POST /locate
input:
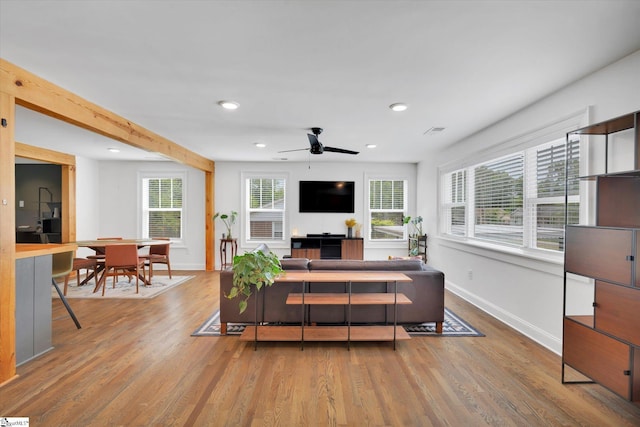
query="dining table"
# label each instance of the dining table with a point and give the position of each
(98, 246)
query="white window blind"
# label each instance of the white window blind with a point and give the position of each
(547, 167)
(266, 208)
(516, 200)
(387, 208)
(454, 206)
(162, 207)
(498, 199)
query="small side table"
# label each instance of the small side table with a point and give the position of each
(223, 252)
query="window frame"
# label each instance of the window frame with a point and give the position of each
(460, 201)
(245, 214)
(142, 211)
(553, 133)
(404, 210)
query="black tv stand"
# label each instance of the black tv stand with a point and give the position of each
(326, 236)
(326, 246)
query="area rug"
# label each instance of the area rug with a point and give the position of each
(453, 326)
(124, 288)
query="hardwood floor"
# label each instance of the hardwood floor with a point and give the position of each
(134, 363)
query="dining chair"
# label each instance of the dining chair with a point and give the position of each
(158, 254)
(100, 251)
(120, 257)
(99, 255)
(82, 264)
(62, 265)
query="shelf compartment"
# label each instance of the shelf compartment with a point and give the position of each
(621, 174)
(325, 333)
(584, 320)
(600, 253)
(617, 311)
(610, 126)
(618, 201)
(601, 358)
(341, 298)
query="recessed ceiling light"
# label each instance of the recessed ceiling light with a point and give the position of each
(371, 145)
(113, 150)
(229, 105)
(398, 106)
(260, 144)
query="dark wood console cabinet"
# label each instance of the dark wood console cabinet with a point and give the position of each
(601, 339)
(323, 246)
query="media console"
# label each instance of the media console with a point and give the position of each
(327, 246)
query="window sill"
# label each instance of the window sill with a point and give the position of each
(538, 260)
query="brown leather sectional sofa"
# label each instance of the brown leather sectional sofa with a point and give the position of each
(426, 292)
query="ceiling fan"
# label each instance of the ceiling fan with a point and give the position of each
(317, 147)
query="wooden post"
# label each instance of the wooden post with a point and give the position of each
(7, 239)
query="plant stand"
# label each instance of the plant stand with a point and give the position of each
(233, 243)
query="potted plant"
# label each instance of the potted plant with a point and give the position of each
(253, 269)
(228, 220)
(416, 225)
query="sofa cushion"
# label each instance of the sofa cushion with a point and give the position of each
(294, 263)
(394, 265)
(335, 264)
(350, 265)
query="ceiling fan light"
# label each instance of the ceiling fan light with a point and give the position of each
(229, 105)
(398, 106)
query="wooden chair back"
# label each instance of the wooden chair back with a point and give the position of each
(160, 249)
(121, 256)
(100, 251)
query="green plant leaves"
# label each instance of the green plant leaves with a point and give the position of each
(253, 269)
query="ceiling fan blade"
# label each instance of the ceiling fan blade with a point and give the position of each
(339, 150)
(298, 149)
(313, 140)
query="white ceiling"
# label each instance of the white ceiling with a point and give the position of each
(292, 65)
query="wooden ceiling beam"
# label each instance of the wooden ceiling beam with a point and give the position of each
(44, 155)
(35, 93)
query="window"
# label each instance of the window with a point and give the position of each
(162, 207)
(266, 202)
(498, 194)
(387, 208)
(516, 200)
(546, 194)
(455, 202)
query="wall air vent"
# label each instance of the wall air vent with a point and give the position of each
(433, 130)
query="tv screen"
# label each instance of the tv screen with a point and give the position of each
(327, 196)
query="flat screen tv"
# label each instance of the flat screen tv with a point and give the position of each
(327, 196)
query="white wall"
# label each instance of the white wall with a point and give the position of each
(114, 210)
(228, 197)
(108, 197)
(87, 216)
(523, 292)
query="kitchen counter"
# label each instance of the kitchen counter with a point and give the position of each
(26, 250)
(33, 298)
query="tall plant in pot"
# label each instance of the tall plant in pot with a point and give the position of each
(228, 220)
(253, 269)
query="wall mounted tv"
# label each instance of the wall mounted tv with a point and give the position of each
(327, 196)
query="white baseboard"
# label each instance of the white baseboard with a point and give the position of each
(531, 331)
